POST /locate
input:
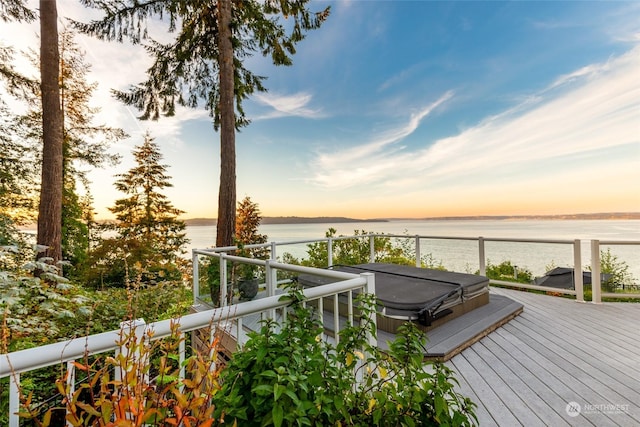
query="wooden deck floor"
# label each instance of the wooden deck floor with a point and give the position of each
(559, 363)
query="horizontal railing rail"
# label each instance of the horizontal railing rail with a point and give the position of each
(575, 245)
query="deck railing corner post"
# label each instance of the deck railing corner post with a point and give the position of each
(196, 276)
(372, 248)
(223, 280)
(370, 288)
(271, 282)
(578, 283)
(596, 269)
(482, 257)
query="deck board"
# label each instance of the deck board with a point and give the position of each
(557, 351)
(449, 339)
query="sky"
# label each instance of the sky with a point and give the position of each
(407, 109)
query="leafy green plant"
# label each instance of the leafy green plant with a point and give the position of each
(353, 251)
(508, 272)
(40, 310)
(287, 375)
(620, 278)
(35, 309)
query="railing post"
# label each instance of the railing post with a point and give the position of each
(370, 288)
(482, 257)
(71, 384)
(14, 400)
(372, 248)
(418, 254)
(578, 284)
(330, 252)
(223, 280)
(182, 355)
(596, 286)
(271, 282)
(196, 276)
(270, 278)
(274, 255)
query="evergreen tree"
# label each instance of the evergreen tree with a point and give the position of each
(17, 169)
(17, 160)
(248, 219)
(150, 237)
(204, 63)
(15, 10)
(17, 180)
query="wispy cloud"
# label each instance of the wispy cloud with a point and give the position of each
(288, 105)
(552, 24)
(400, 77)
(584, 72)
(599, 110)
(364, 163)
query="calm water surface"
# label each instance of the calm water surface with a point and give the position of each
(461, 255)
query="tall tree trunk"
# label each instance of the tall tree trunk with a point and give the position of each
(227, 193)
(50, 209)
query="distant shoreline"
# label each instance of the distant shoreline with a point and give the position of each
(327, 220)
(208, 222)
(287, 220)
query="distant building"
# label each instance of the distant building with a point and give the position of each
(562, 278)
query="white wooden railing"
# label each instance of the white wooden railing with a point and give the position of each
(575, 245)
(14, 364)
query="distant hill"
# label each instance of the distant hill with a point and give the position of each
(200, 221)
(288, 220)
(584, 216)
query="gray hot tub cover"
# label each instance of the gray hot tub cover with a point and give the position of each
(414, 293)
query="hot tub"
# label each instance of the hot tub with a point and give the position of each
(430, 297)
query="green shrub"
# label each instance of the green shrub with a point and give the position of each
(287, 375)
(117, 261)
(508, 272)
(357, 250)
(41, 310)
(620, 276)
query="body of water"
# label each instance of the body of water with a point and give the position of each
(462, 255)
